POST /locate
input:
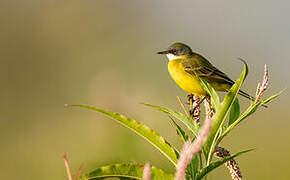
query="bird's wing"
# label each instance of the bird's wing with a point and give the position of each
(198, 65)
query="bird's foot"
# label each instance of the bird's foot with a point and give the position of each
(190, 98)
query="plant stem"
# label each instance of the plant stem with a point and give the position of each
(182, 106)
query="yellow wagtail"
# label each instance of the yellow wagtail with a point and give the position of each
(184, 65)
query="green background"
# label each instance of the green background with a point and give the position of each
(97, 52)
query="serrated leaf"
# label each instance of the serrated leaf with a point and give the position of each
(251, 109)
(142, 130)
(221, 113)
(132, 171)
(187, 121)
(235, 112)
(218, 163)
(180, 132)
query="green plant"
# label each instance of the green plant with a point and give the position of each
(205, 142)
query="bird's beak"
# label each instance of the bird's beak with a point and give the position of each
(163, 52)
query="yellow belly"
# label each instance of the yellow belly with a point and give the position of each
(186, 81)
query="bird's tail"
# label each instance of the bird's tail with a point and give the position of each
(246, 95)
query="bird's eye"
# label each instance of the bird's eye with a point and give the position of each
(174, 51)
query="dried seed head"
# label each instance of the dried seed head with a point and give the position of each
(258, 89)
(196, 113)
(263, 87)
(232, 165)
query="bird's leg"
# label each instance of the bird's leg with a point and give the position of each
(190, 100)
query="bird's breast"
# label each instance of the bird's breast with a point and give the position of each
(186, 81)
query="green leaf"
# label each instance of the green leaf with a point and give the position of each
(192, 168)
(214, 97)
(142, 130)
(183, 136)
(235, 112)
(268, 99)
(220, 115)
(131, 171)
(217, 163)
(189, 123)
(247, 113)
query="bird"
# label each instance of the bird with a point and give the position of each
(185, 65)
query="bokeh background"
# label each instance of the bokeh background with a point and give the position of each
(103, 53)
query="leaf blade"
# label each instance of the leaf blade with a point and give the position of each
(251, 109)
(180, 132)
(133, 171)
(218, 163)
(234, 112)
(142, 130)
(187, 121)
(221, 113)
(215, 100)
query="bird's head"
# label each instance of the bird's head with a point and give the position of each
(177, 50)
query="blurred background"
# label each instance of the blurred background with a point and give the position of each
(103, 53)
